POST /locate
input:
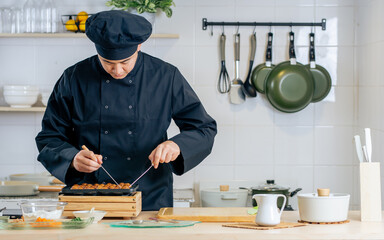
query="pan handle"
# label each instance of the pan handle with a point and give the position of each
(295, 192)
(57, 181)
(268, 55)
(292, 54)
(50, 188)
(312, 58)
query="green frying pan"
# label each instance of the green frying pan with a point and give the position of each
(260, 73)
(289, 86)
(321, 77)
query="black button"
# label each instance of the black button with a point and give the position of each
(105, 158)
(130, 106)
(106, 132)
(128, 158)
(106, 107)
(129, 132)
(107, 81)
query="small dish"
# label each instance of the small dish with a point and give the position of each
(4, 219)
(97, 215)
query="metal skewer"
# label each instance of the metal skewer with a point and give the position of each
(85, 148)
(141, 175)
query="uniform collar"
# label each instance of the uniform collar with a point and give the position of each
(139, 62)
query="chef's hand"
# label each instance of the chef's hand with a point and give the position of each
(87, 161)
(164, 153)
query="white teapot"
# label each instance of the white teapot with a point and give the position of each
(268, 214)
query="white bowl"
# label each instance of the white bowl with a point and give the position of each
(98, 215)
(20, 93)
(332, 208)
(45, 97)
(21, 87)
(20, 101)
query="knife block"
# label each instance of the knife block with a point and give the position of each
(370, 191)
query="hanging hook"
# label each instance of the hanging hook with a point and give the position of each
(291, 26)
(254, 29)
(238, 26)
(270, 27)
(223, 28)
(313, 27)
(211, 30)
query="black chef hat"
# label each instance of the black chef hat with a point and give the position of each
(117, 33)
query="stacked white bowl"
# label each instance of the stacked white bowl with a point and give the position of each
(20, 96)
(45, 97)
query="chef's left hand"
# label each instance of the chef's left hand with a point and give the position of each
(164, 153)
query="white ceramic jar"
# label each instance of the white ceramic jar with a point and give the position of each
(332, 208)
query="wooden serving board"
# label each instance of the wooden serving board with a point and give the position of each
(341, 222)
(115, 206)
(207, 214)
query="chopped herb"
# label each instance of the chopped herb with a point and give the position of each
(76, 219)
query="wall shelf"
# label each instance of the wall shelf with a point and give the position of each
(31, 109)
(72, 35)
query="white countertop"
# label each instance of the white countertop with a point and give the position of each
(353, 230)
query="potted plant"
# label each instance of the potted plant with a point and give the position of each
(143, 6)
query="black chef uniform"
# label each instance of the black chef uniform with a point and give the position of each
(123, 119)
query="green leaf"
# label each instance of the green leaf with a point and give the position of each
(143, 5)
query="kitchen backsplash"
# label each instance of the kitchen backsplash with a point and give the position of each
(310, 149)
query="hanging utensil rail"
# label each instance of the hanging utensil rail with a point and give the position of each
(321, 24)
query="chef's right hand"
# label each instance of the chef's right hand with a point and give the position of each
(87, 161)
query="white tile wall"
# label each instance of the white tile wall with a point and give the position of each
(370, 94)
(308, 149)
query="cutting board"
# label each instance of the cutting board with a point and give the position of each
(207, 214)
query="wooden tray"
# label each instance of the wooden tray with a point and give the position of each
(115, 206)
(207, 214)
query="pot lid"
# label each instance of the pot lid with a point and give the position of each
(316, 196)
(270, 186)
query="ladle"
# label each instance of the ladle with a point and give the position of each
(247, 87)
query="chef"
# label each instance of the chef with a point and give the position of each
(120, 103)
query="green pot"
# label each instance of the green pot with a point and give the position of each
(271, 188)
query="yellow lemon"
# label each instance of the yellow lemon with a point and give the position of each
(82, 25)
(70, 25)
(81, 16)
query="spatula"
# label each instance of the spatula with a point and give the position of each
(236, 94)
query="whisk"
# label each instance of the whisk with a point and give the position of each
(224, 84)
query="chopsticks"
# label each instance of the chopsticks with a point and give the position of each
(85, 148)
(163, 220)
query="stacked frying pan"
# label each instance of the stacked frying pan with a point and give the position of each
(289, 86)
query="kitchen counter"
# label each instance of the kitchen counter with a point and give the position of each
(353, 230)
